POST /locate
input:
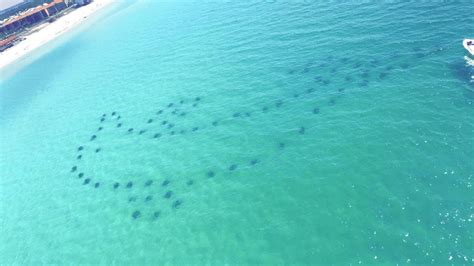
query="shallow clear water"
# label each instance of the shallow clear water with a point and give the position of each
(334, 133)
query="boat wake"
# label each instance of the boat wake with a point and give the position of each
(469, 68)
(469, 61)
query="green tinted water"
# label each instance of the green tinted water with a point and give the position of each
(326, 134)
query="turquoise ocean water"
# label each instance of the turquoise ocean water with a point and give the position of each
(244, 132)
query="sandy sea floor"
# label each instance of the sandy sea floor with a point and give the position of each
(188, 133)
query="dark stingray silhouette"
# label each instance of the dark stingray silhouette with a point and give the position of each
(170, 187)
(211, 174)
(168, 194)
(136, 214)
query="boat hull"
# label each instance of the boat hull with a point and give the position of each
(469, 48)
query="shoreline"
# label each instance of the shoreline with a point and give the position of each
(49, 32)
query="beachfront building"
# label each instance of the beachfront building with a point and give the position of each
(58, 6)
(30, 17)
(12, 10)
(7, 43)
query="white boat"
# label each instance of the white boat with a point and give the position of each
(469, 45)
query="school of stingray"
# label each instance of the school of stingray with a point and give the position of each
(165, 123)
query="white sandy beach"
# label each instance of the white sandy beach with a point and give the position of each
(50, 31)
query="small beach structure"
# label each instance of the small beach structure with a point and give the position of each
(7, 43)
(82, 2)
